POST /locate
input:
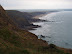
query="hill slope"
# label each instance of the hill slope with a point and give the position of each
(22, 19)
(16, 41)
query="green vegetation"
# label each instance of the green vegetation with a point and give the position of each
(5, 51)
(10, 42)
(6, 35)
(51, 49)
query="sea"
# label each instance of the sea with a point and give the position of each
(56, 30)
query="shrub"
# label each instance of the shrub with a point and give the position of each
(52, 46)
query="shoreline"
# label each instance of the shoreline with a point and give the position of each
(65, 49)
(40, 20)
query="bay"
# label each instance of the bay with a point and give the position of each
(58, 31)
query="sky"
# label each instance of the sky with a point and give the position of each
(36, 4)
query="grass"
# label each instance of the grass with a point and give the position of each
(6, 35)
(8, 38)
(51, 49)
(6, 51)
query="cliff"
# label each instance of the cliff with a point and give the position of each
(16, 41)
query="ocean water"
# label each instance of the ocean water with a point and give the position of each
(58, 32)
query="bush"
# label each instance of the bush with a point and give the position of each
(52, 46)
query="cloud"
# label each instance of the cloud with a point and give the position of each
(36, 4)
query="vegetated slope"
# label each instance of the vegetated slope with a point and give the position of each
(22, 19)
(19, 18)
(28, 16)
(16, 41)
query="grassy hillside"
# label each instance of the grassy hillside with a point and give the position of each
(22, 19)
(16, 41)
(19, 18)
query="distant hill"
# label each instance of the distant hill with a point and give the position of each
(19, 18)
(24, 19)
(27, 16)
(67, 9)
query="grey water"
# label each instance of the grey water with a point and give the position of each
(58, 32)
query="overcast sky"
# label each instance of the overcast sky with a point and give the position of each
(36, 4)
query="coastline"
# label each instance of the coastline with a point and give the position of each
(39, 20)
(64, 49)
